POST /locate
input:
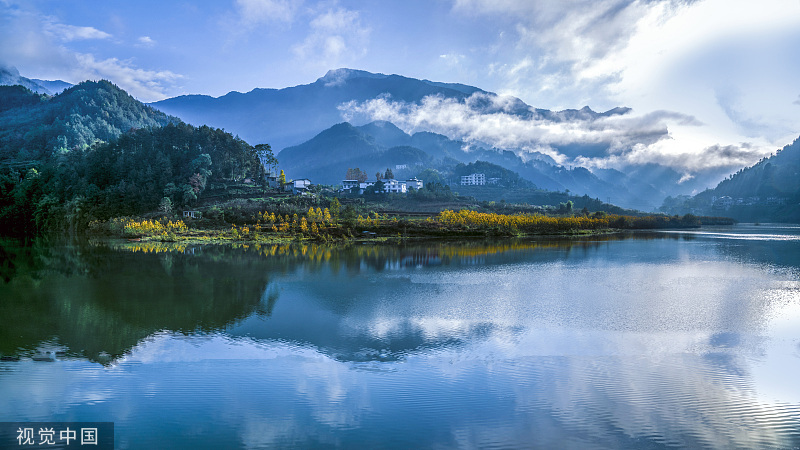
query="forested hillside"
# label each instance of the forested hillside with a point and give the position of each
(146, 169)
(94, 152)
(35, 126)
(776, 176)
(769, 191)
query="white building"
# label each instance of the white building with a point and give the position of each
(414, 183)
(393, 186)
(390, 186)
(349, 184)
(476, 179)
(297, 186)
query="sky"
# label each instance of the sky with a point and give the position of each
(720, 75)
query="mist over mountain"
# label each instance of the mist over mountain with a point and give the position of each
(775, 176)
(289, 116)
(555, 150)
(9, 76)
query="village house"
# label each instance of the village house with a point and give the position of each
(296, 187)
(414, 183)
(271, 179)
(724, 202)
(393, 186)
(349, 184)
(475, 179)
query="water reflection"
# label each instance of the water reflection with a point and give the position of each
(636, 341)
(98, 300)
(371, 302)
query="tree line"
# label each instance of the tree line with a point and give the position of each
(143, 170)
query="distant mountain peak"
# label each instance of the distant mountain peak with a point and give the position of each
(10, 76)
(341, 127)
(618, 111)
(383, 124)
(338, 76)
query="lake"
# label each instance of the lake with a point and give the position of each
(642, 340)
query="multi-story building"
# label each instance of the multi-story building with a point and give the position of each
(475, 179)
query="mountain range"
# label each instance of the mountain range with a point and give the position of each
(290, 116)
(293, 117)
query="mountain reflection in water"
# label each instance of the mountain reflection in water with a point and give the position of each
(639, 341)
(104, 298)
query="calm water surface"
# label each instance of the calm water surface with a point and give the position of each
(670, 339)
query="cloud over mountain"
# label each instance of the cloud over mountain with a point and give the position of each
(569, 137)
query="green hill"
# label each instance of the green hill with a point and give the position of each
(36, 126)
(94, 152)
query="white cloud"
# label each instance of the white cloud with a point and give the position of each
(569, 138)
(731, 64)
(680, 55)
(146, 41)
(666, 153)
(38, 47)
(146, 85)
(558, 48)
(253, 12)
(452, 59)
(336, 38)
(67, 33)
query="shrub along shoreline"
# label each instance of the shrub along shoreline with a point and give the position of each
(322, 225)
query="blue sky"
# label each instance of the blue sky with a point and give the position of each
(726, 71)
